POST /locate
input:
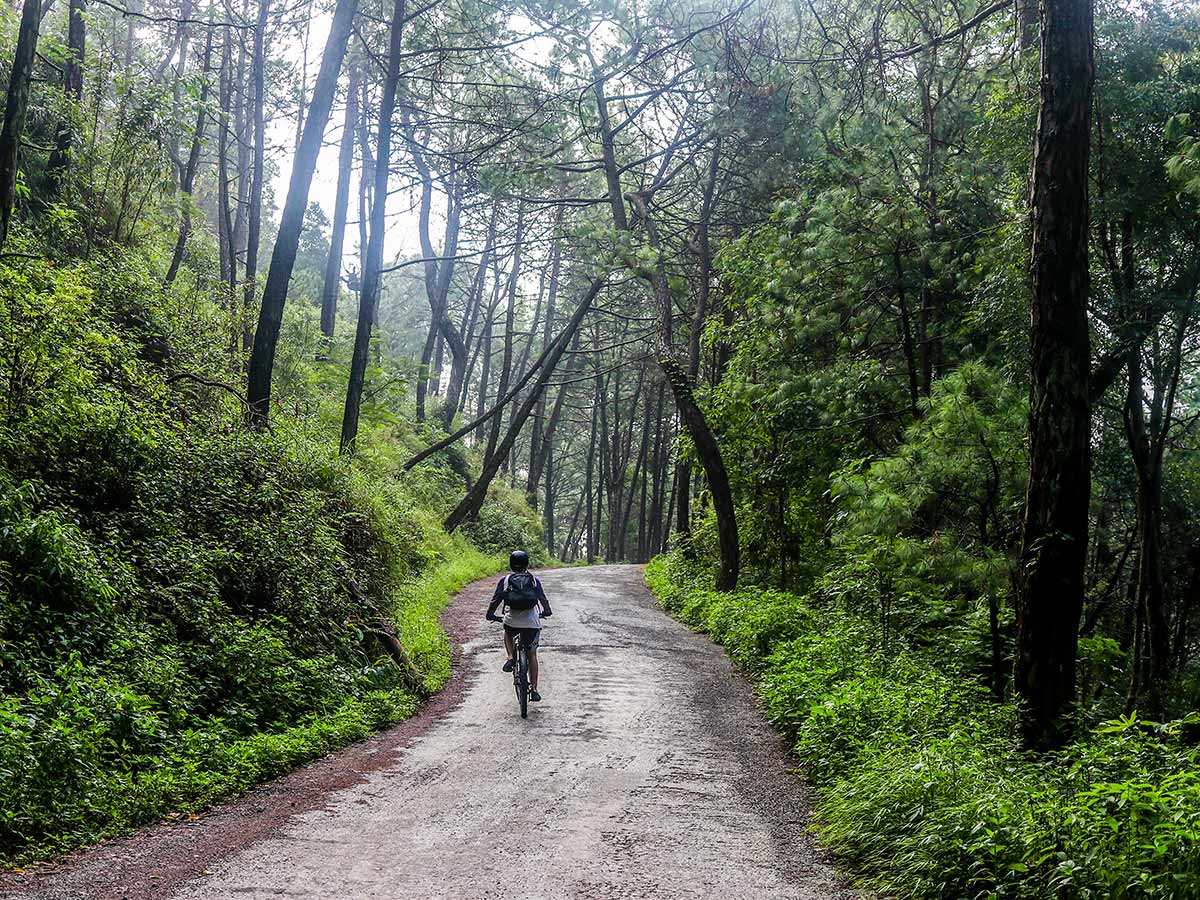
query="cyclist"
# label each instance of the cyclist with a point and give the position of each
(521, 594)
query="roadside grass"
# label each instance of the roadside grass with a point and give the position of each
(420, 601)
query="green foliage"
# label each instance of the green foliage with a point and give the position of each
(923, 792)
(187, 607)
(505, 523)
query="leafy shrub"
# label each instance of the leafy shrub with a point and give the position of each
(187, 607)
(923, 792)
(505, 524)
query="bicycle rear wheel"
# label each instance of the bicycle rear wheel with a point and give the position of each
(522, 681)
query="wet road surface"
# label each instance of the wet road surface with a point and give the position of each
(645, 773)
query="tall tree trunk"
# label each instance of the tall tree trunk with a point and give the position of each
(589, 471)
(1055, 528)
(291, 221)
(135, 6)
(184, 33)
(707, 448)
(256, 177)
(366, 179)
(639, 476)
(485, 374)
(438, 274)
(225, 224)
(570, 543)
(704, 251)
(1027, 22)
(514, 277)
(331, 287)
(456, 395)
(243, 126)
(541, 461)
(15, 108)
(542, 437)
(548, 503)
(649, 547)
(60, 158)
(188, 181)
(373, 266)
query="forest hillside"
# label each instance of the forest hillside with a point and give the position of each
(871, 327)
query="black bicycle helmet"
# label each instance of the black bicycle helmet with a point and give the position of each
(518, 560)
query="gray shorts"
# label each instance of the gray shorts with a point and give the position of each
(533, 636)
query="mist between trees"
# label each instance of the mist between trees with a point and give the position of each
(903, 291)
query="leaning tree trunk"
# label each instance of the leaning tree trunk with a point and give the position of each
(15, 108)
(703, 249)
(291, 221)
(1055, 528)
(373, 261)
(470, 505)
(707, 449)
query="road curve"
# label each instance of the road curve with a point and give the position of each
(645, 773)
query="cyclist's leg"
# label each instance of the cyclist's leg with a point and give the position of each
(532, 639)
(509, 648)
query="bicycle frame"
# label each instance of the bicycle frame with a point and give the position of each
(521, 674)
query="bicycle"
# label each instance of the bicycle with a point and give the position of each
(521, 673)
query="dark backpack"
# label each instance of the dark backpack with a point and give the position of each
(521, 591)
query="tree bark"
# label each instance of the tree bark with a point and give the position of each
(258, 169)
(15, 108)
(188, 181)
(60, 159)
(291, 221)
(331, 287)
(373, 263)
(1055, 527)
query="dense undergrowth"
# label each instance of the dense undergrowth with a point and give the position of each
(188, 606)
(923, 792)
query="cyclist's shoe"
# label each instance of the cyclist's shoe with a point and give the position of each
(534, 695)
(509, 665)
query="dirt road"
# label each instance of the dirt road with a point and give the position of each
(645, 773)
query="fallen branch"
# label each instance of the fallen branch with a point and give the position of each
(208, 382)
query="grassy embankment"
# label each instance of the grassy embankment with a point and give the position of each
(188, 607)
